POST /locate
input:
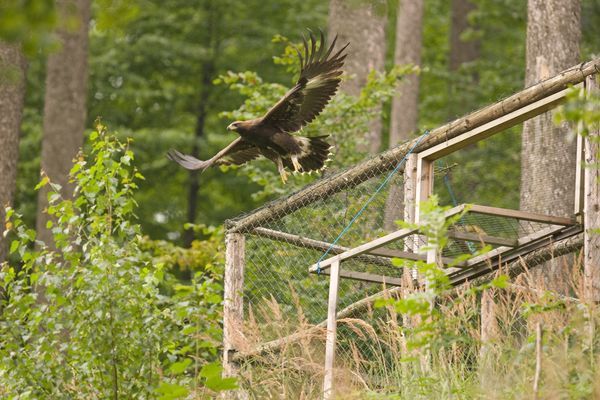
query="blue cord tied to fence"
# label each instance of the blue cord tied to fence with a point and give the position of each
(370, 199)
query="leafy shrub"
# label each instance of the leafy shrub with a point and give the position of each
(97, 313)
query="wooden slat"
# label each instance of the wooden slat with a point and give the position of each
(524, 252)
(486, 130)
(367, 277)
(425, 172)
(521, 215)
(313, 244)
(579, 170)
(474, 237)
(374, 244)
(545, 232)
(355, 251)
(328, 392)
(405, 255)
(393, 253)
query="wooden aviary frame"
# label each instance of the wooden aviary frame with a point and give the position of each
(418, 181)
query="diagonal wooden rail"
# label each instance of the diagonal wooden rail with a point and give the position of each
(385, 161)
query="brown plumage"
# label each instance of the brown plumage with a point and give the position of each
(270, 136)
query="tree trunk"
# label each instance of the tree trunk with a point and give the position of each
(212, 41)
(64, 105)
(405, 105)
(362, 24)
(461, 52)
(547, 151)
(12, 91)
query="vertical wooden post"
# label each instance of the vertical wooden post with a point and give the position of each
(579, 176)
(424, 190)
(233, 300)
(591, 238)
(334, 279)
(424, 184)
(410, 188)
(410, 202)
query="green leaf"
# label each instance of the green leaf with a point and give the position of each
(170, 391)
(180, 366)
(42, 183)
(214, 381)
(218, 384)
(500, 282)
(211, 370)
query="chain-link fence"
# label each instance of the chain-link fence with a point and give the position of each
(283, 238)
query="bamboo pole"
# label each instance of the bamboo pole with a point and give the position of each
(387, 160)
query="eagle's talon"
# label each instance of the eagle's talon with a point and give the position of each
(296, 164)
(284, 177)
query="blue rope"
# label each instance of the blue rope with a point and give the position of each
(450, 191)
(461, 221)
(359, 213)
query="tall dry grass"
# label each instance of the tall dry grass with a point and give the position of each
(379, 355)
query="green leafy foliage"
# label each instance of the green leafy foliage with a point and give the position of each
(435, 330)
(29, 23)
(86, 316)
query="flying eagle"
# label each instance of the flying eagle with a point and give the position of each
(270, 135)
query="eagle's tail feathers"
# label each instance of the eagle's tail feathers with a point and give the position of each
(315, 153)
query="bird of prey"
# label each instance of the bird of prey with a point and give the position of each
(271, 136)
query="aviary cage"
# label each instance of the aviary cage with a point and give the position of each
(272, 253)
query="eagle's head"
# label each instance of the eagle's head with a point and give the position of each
(234, 126)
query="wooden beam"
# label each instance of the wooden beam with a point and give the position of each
(374, 244)
(405, 255)
(367, 277)
(313, 244)
(541, 234)
(233, 301)
(591, 237)
(425, 175)
(389, 159)
(474, 237)
(494, 260)
(521, 215)
(365, 248)
(486, 130)
(410, 205)
(579, 172)
(334, 280)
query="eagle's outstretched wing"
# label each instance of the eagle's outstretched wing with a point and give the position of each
(319, 79)
(237, 152)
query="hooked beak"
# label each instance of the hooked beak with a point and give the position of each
(231, 127)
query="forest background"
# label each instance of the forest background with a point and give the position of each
(173, 74)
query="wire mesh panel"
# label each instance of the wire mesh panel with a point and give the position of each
(281, 298)
(273, 266)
